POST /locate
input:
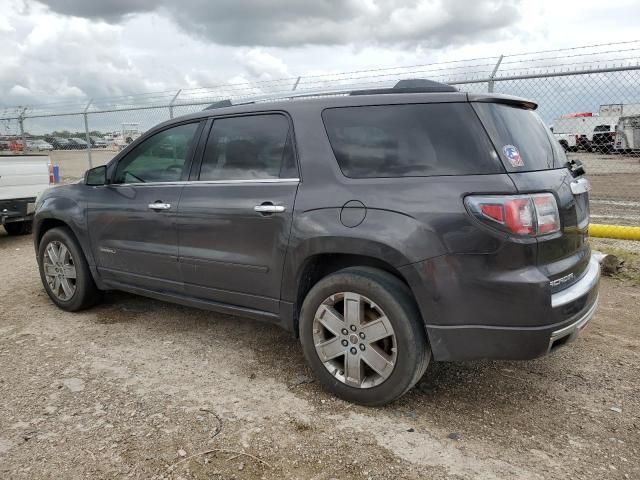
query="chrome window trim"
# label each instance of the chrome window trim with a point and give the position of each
(208, 182)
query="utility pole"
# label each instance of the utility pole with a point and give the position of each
(86, 132)
(22, 135)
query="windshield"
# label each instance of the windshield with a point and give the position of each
(523, 142)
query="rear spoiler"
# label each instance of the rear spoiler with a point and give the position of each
(503, 99)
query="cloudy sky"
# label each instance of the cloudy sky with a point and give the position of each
(72, 50)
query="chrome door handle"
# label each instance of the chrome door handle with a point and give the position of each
(159, 206)
(269, 208)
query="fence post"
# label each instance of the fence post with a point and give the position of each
(296, 84)
(493, 74)
(22, 136)
(86, 132)
(173, 100)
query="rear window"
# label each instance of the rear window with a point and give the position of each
(409, 140)
(522, 140)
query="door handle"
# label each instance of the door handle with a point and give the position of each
(269, 208)
(159, 206)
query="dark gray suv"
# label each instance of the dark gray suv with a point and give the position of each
(384, 228)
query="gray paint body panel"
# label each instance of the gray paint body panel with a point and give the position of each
(213, 251)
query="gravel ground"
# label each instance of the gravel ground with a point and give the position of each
(136, 388)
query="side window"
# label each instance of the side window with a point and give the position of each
(160, 158)
(248, 148)
(409, 140)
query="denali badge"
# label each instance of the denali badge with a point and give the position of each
(107, 250)
(561, 280)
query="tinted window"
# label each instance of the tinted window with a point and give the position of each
(409, 140)
(160, 158)
(520, 137)
(602, 128)
(247, 148)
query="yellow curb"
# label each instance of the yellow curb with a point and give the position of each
(614, 231)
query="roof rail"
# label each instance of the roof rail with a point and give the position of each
(412, 85)
(417, 85)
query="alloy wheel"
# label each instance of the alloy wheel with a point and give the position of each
(355, 340)
(60, 270)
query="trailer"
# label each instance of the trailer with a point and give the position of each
(628, 134)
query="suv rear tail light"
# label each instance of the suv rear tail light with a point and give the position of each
(525, 215)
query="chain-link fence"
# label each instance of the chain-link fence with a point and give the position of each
(589, 97)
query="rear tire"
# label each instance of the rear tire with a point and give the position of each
(80, 291)
(406, 350)
(18, 228)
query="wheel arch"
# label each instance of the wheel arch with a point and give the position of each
(44, 226)
(306, 270)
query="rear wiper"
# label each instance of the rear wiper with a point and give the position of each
(575, 167)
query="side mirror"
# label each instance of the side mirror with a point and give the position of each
(96, 176)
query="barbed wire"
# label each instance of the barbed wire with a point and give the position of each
(471, 69)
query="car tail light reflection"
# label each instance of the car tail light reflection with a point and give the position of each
(526, 215)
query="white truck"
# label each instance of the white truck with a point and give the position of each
(575, 131)
(22, 179)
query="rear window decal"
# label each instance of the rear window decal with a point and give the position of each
(513, 156)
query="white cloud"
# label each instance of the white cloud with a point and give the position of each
(262, 65)
(291, 23)
(107, 48)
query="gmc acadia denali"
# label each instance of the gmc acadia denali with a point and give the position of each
(382, 227)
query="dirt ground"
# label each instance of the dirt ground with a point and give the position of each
(136, 388)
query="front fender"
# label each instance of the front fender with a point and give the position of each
(57, 209)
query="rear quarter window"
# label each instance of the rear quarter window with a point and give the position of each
(409, 140)
(520, 134)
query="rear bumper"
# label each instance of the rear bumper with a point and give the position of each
(566, 313)
(16, 210)
(569, 333)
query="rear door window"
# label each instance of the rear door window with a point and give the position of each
(409, 140)
(249, 147)
(522, 140)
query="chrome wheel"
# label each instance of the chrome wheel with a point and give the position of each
(59, 270)
(354, 340)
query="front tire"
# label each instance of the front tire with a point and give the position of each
(18, 228)
(65, 272)
(363, 336)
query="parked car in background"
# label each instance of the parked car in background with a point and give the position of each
(16, 146)
(78, 143)
(604, 137)
(58, 143)
(98, 142)
(22, 179)
(39, 145)
(383, 228)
